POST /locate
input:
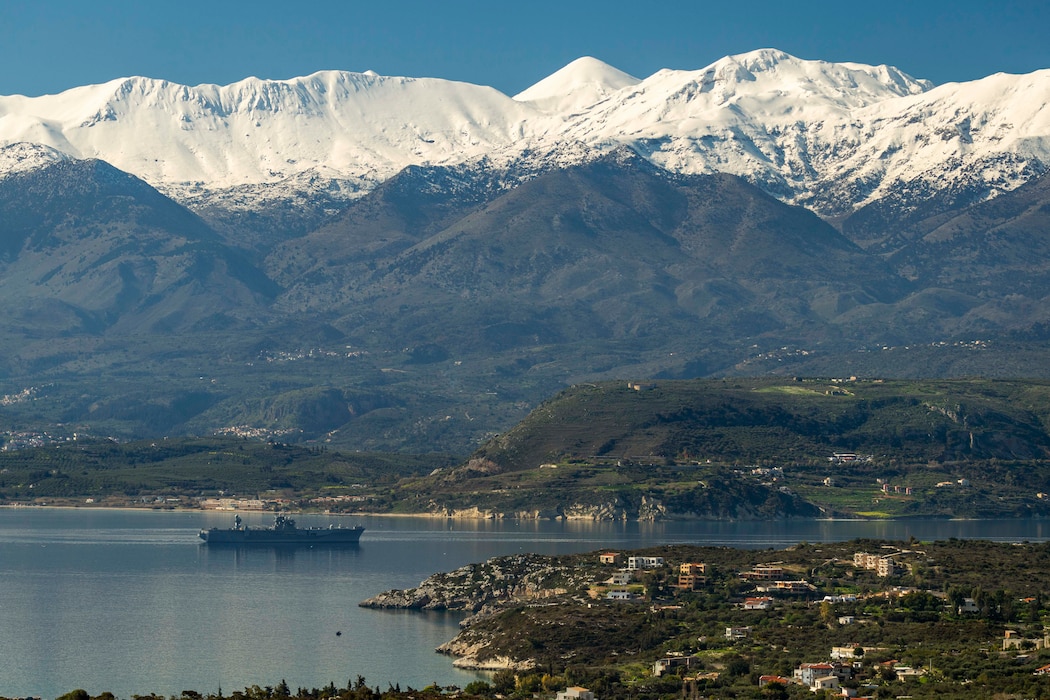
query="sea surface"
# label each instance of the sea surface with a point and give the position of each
(131, 602)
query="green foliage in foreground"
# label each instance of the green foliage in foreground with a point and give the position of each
(353, 690)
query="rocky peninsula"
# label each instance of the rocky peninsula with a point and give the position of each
(713, 619)
(485, 589)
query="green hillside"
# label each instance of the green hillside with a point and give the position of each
(185, 469)
(767, 448)
(773, 419)
(709, 449)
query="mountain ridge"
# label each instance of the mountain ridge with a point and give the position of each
(116, 252)
(806, 131)
(432, 306)
(437, 308)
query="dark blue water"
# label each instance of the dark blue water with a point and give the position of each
(130, 602)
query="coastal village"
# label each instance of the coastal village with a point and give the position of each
(865, 619)
(844, 671)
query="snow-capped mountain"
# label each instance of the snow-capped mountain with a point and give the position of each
(26, 157)
(576, 87)
(337, 125)
(399, 237)
(833, 136)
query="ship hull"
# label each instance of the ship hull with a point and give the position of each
(270, 537)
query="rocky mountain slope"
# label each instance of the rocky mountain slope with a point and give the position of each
(84, 241)
(616, 250)
(438, 308)
(392, 262)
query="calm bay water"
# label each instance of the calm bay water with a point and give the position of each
(132, 603)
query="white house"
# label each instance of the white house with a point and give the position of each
(905, 673)
(635, 563)
(807, 674)
(825, 683)
(810, 674)
(620, 595)
(575, 693)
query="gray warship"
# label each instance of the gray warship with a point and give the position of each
(282, 532)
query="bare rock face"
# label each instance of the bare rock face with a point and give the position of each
(600, 512)
(410, 599)
(483, 590)
(472, 654)
(473, 587)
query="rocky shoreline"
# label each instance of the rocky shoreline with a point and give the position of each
(483, 590)
(475, 587)
(647, 509)
(471, 655)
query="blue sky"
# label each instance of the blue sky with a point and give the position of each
(46, 47)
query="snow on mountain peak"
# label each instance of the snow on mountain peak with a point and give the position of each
(769, 76)
(25, 157)
(794, 126)
(365, 126)
(730, 115)
(578, 85)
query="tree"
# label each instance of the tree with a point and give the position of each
(78, 694)
(826, 614)
(775, 691)
(503, 681)
(479, 688)
(736, 665)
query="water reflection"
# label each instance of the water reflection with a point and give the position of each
(278, 557)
